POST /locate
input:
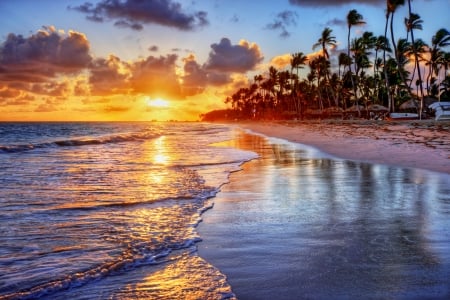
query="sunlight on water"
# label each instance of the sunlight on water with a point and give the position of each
(160, 152)
(189, 277)
(91, 209)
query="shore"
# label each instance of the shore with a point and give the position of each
(297, 224)
(411, 144)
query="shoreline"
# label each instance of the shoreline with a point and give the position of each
(293, 224)
(409, 144)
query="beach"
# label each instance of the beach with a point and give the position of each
(411, 144)
(331, 210)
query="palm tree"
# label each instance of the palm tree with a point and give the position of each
(343, 60)
(412, 23)
(353, 19)
(391, 7)
(403, 49)
(298, 60)
(382, 43)
(440, 40)
(326, 40)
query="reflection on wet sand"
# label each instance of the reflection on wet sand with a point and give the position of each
(298, 224)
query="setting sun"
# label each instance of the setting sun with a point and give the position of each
(158, 102)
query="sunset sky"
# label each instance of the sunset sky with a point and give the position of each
(163, 59)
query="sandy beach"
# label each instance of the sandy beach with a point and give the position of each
(411, 144)
(365, 220)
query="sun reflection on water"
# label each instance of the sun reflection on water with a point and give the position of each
(189, 277)
(161, 155)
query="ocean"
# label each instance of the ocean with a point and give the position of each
(110, 210)
(208, 211)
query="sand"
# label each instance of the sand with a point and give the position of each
(410, 144)
(295, 224)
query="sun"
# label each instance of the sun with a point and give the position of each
(157, 102)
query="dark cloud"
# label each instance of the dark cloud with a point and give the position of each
(334, 2)
(337, 22)
(108, 76)
(43, 55)
(126, 24)
(195, 77)
(134, 13)
(153, 48)
(218, 79)
(225, 57)
(283, 20)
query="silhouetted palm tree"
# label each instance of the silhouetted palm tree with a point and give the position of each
(298, 60)
(391, 7)
(325, 40)
(353, 19)
(437, 57)
(415, 23)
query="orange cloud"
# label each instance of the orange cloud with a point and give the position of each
(281, 61)
(156, 77)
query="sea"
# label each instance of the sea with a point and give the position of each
(110, 210)
(173, 210)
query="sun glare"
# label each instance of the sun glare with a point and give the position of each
(157, 102)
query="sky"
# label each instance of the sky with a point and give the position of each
(142, 60)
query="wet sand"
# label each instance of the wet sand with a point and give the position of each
(416, 144)
(300, 224)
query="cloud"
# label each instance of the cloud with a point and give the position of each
(195, 77)
(48, 106)
(43, 55)
(12, 96)
(54, 89)
(234, 19)
(135, 13)
(115, 109)
(155, 76)
(337, 22)
(317, 3)
(153, 48)
(284, 19)
(225, 57)
(281, 61)
(109, 76)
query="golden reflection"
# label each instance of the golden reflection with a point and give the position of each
(160, 156)
(189, 277)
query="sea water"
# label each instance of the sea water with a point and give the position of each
(109, 210)
(112, 211)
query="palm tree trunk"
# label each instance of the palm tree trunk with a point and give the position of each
(416, 64)
(386, 79)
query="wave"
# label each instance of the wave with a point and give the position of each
(133, 258)
(110, 139)
(137, 255)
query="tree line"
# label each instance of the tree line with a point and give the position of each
(373, 71)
